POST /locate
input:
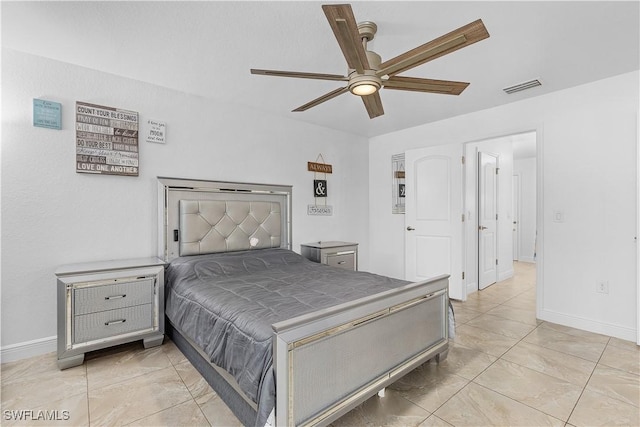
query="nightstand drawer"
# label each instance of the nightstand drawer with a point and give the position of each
(333, 253)
(94, 326)
(346, 261)
(125, 293)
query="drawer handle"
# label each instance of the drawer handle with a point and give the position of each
(115, 297)
(114, 322)
(342, 262)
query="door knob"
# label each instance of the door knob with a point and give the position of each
(410, 228)
(482, 227)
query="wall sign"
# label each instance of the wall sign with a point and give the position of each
(397, 184)
(319, 210)
(320, 188)
(47, 114)
(106, 140)
(156, 131)
(319, 167)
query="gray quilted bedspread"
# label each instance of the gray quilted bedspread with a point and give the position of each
(227, 303)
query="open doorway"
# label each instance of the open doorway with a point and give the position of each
(500, 185)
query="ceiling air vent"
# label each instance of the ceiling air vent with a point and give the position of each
(522, 86)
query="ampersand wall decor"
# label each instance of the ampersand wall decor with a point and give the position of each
(320, 170)
(320, 187)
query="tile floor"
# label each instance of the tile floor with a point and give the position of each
(504, 368)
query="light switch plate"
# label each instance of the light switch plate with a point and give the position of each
(558, 216)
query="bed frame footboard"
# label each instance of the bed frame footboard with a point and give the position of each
(329, 361)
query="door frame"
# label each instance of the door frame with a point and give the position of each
(471, 283)
(638, 227)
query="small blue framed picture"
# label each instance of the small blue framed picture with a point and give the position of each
(47, 114)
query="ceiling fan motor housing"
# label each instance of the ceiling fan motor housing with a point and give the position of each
(374, 60)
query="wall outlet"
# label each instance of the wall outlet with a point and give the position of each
(602, 287)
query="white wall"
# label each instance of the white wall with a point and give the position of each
(526, 170)
(586, 169)
(52, 215)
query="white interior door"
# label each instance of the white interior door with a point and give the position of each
(433, 215)
(487, 219)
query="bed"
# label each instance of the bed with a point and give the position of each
(283, 340)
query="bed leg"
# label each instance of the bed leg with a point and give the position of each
(441, 357)
(381, 392)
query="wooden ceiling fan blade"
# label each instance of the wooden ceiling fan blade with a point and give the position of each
(300, 75)
(446, 87)
(322, 99)
(373, 104)
(345, 29)
(450, 42)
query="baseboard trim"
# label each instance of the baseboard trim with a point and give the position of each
(24, 350)
(527, 259)
(609, 329)
(504, 275)
(471, 288)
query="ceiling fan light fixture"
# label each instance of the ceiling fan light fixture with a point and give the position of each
(364, 84)
(364, 89)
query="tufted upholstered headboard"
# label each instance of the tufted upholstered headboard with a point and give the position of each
(210, 226)
(197, 217)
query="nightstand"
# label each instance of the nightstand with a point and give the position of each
(335, 254)
(102, 304)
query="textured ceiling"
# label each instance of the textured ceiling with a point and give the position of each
(207, 49)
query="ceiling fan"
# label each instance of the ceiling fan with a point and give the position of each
(367, 73)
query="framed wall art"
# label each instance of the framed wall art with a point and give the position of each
(397, 184)
(106, 140)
